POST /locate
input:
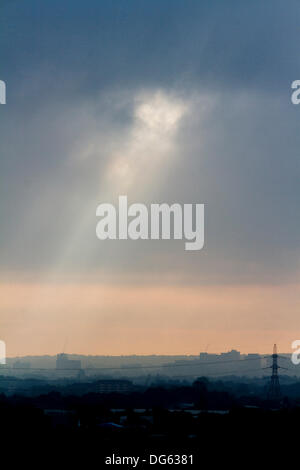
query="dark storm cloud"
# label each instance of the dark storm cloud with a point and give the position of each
(80, 46)
(72, 70)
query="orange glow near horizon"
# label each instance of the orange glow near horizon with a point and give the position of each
(106, 319)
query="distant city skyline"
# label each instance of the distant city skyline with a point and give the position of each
(85, 368)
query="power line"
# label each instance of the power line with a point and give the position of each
(219, 374)
(186, 364)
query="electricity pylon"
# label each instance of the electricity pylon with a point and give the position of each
(274, 392)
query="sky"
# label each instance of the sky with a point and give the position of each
(163, 101)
